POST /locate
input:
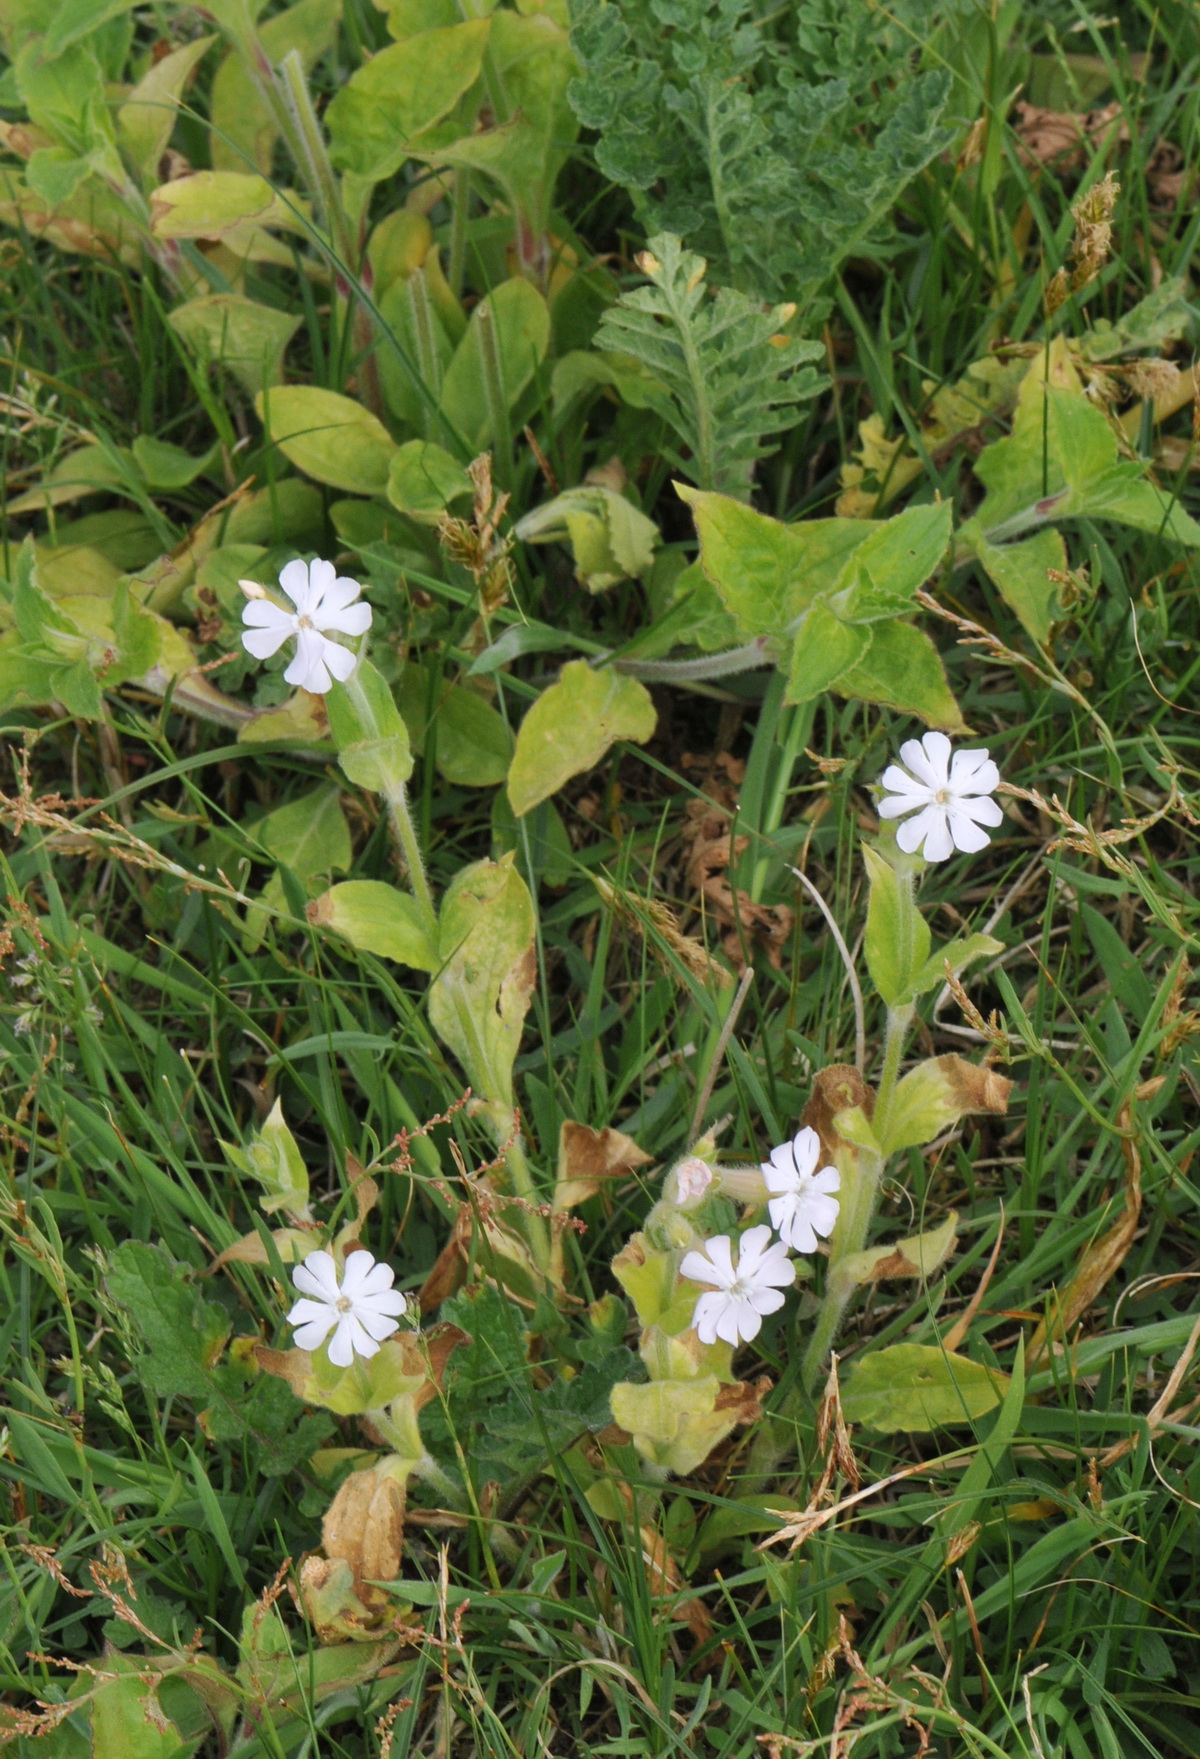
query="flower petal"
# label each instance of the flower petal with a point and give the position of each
(321, 576)
(938, 750)
(973, 772)
(792, 1225)
(913, 832)
(341, 1344)
(358, 1268)
(806, 1151)
(341, 592)
(828, 1179)
(915, 757)
(339, 659)
(293, 578)
(822, 1214)
(316, 1274)
(312, 1334)
(894, 780)
(740, 1321)
(390, 1301)
(376, 1325)
(939, 843)
(350, 620)
(766, 1300)
(706, 1314)
(306, 1312)
(377, 1280)
(307, 670)
(983, 810)
(698, 1268)
(967, 835)
(262, 643)
(266, 614)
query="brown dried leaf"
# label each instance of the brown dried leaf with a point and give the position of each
(1101, 1260)
(364, 1524)
(1066, 139)
(837, 1088)
(291, 1244)
(664, 1578)
(587, 1158)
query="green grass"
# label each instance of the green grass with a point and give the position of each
(1018, 1593)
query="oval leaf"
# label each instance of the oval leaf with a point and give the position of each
(328, 436)
(571, 726)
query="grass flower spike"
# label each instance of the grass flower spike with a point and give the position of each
(950, 798)
(360, 1311)
(802, 1205)
(325, 601)
(733, 1308)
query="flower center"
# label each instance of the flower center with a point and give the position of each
(942, 797)
(739, 1288)
(304, 623)
(343, 1303)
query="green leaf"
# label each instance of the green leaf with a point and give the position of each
(935, 1095)
(1021, 573)
(825, 648)
(776, 165)
(165, 466)
(609, 538)
(309, 835)
(479, 999)
(1061, 461)
(379, 116)
(273, 1158)
(917, 1388)
(920, 1256)
(959, 954)
(147, 118)
(728, 370)
(768, 573)
(208, 204)
(376, 918)
(369, 731)
(184, 1334)
(571, 726)
(424, 479)
(903, 669)
(531, 62)
(224, 329)
(473, 744)
(896, 560)
(520, 320)
(243, 131)
(128, 1722)
(896, 944)
(328, 436)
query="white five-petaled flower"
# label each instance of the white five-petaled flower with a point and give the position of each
(360, 1311)
(949, 798)
(324, 601)
(802, 1203)
(733, 1308)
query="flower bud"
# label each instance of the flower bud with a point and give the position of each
(688, 1183)
(743, 1184)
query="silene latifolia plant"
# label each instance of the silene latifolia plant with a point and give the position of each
(703, 1280)
(723, 1249)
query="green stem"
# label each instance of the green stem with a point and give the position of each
(494, 397)
(405, 832)
(314, 159)
(898, 1022)
(461, 208)
(535, 1226)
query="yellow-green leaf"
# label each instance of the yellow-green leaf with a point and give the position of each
(479, 998)
(376, 918)
(328, 436)
(571, 726)
(917, 1387)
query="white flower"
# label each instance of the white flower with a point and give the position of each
(324, 600)
(951, 799)
(742, 1293)
(360, 1311)
(802, 1202)
(688, 1183)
